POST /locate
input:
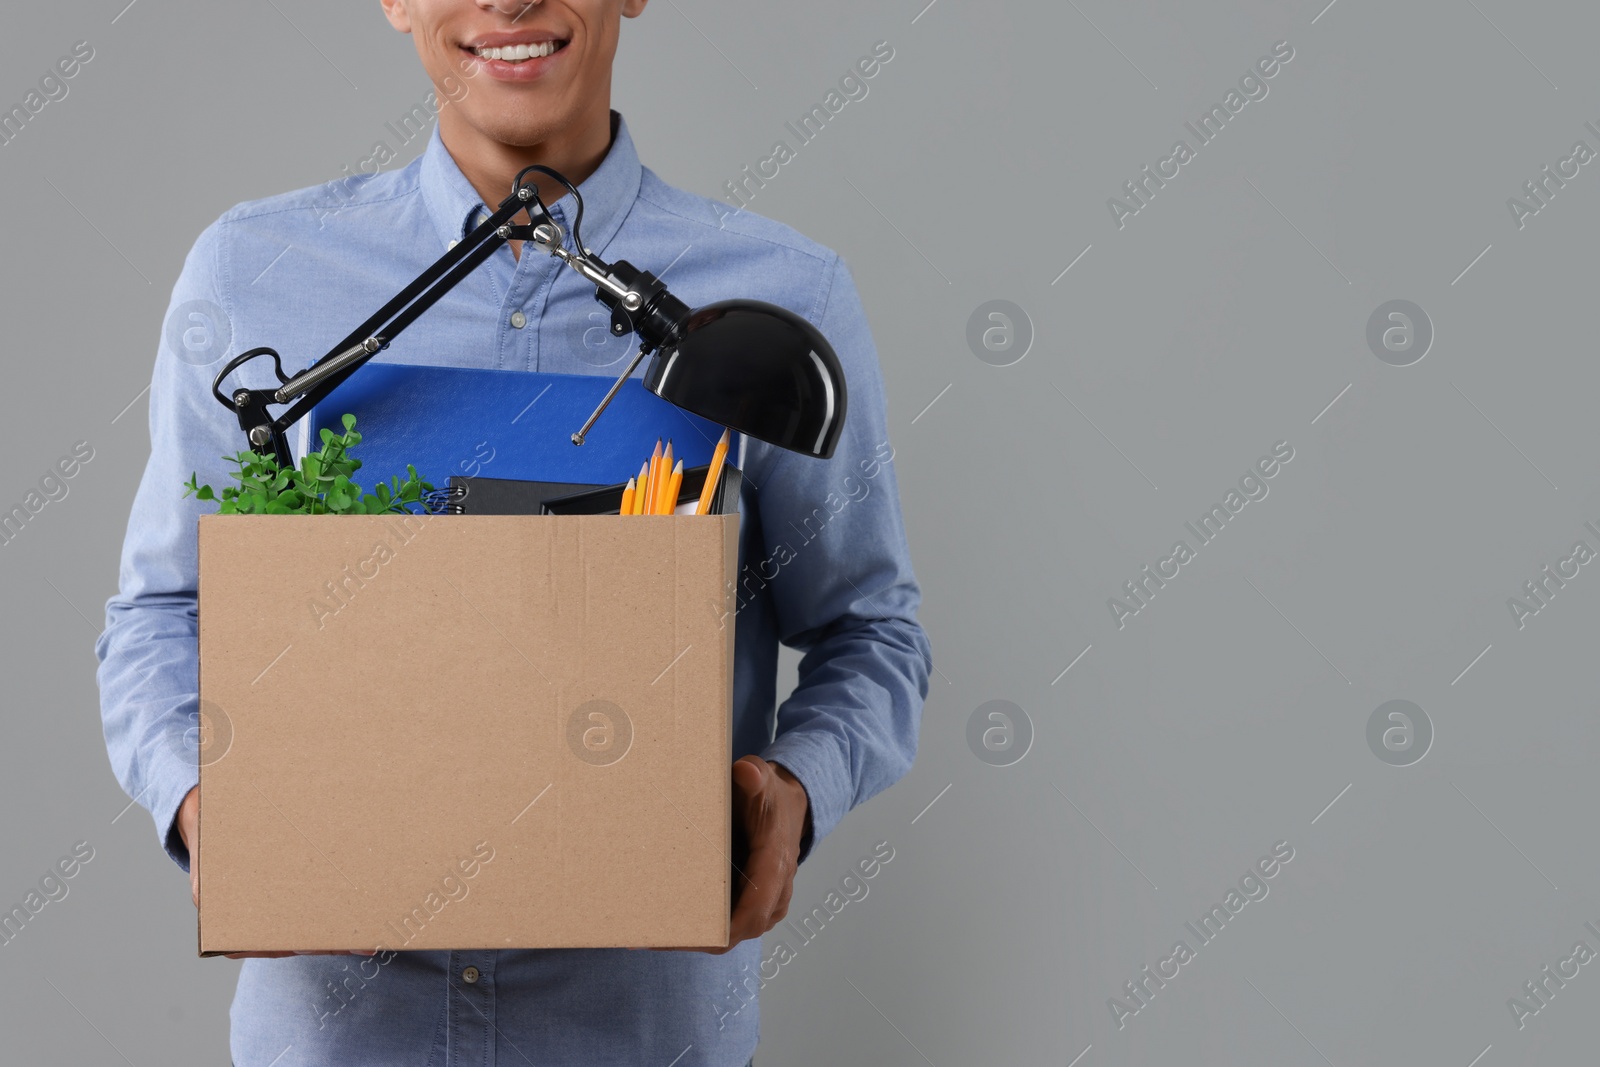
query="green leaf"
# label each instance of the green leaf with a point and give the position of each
(320, 485)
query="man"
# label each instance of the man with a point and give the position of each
(824, 563)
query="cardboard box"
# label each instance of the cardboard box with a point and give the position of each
(465, 731)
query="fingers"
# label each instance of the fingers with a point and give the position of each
(770, 873)
(750, 775)
(272, 955)
(766, 851)
(765, 811)
(305, 952)
(781, 912)
(189, 832)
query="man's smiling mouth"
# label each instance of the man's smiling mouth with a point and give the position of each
(517, 53)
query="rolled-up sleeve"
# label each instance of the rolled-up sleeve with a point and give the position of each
(845, 594)
(148, 652)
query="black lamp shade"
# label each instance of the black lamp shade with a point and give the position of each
(758, 368)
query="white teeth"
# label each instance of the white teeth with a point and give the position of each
(517, 52)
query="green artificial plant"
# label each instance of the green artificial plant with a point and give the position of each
(320, 486)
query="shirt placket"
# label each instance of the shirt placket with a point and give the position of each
(524, 282)
(531, 277)
(471, 976)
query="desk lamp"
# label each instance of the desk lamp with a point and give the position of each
(753, 366)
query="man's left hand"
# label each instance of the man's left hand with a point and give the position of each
(770, 815)
(770, 810)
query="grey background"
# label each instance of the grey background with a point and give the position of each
(1223, 318)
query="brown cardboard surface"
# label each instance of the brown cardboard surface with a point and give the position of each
(402, 749)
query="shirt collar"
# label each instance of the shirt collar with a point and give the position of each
(608, 193)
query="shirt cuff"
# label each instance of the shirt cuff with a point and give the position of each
(816, 761)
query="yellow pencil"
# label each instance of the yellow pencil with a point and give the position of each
(638, 494)
(717, 456)
(627, 499)
(673, 485)
(650, 481)
(659, 500)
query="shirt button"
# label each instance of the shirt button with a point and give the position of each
(451, 245)
(518, 319)
(469, 975)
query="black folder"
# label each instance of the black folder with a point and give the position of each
(511, 496)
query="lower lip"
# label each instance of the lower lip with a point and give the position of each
(525, 71)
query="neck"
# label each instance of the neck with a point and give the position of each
(491, 165)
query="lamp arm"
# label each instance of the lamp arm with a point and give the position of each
(312, 385)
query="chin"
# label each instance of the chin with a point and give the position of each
(523, 135)
(523, 130)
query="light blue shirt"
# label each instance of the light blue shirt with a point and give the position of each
(824, 568)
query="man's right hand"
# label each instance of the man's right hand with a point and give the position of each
(189, 830)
